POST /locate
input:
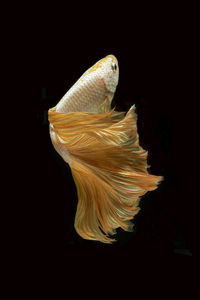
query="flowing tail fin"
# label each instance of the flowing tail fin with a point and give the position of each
(109, 168)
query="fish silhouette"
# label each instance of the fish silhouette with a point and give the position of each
(102, 148)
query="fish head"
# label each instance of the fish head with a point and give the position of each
(95, 89)
(106, 70)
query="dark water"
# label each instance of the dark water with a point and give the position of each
(162, 235)
(153, 62)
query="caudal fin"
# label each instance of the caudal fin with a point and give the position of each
(109, 168)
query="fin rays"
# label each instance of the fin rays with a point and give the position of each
(109, 168)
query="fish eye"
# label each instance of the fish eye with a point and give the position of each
(114, 66)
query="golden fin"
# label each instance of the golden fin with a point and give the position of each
(109, 168)
(105, 106)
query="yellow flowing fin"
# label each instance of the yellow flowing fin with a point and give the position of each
(109, 168)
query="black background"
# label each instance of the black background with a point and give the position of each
(152, 77)
(154, 47)
(161, 227)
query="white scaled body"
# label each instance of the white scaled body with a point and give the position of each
(95, 85)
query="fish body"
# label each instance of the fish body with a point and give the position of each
(96, 85)
(101, 146)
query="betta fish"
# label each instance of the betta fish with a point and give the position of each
(102, 148)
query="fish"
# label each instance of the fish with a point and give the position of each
(101, 146)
